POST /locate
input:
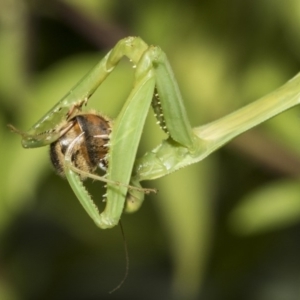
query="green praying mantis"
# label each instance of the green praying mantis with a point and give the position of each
(81, 141)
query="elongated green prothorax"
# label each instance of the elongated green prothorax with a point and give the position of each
(77, 150)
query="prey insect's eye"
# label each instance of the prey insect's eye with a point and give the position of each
(90, 151)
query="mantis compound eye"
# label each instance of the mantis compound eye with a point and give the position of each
(90, 150)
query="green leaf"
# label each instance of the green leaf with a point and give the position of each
(272, 207)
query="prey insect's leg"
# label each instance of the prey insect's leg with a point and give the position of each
(103, 179)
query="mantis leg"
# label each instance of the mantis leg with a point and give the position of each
(44, 131)
(125, 137)
(170, 156)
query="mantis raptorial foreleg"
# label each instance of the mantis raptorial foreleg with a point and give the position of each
(152, 62)
(169, 157)
(127, 129)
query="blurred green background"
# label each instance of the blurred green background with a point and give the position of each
(227, 228)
